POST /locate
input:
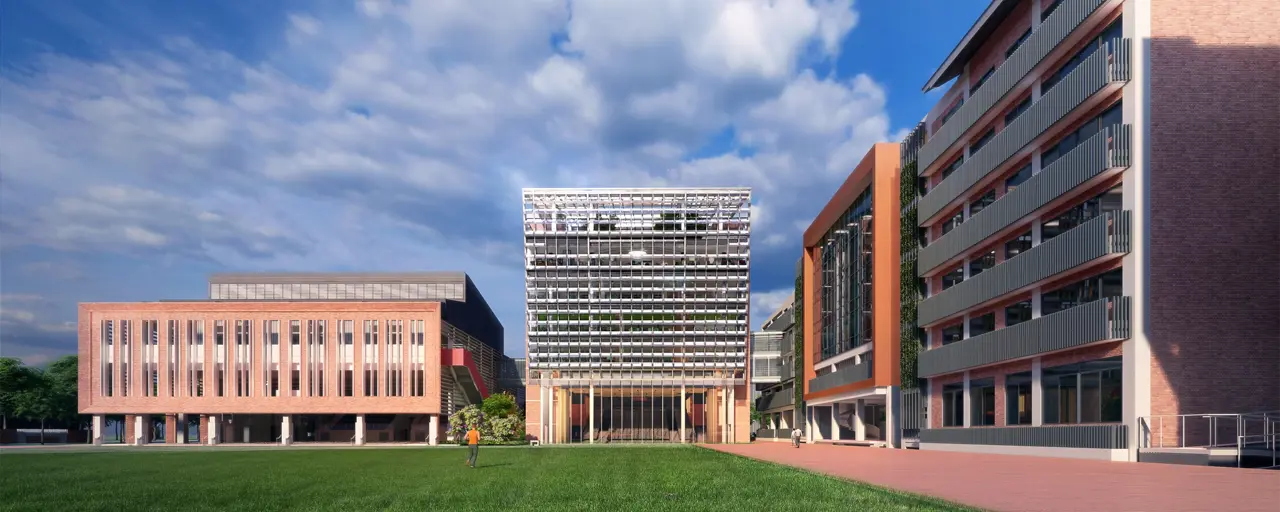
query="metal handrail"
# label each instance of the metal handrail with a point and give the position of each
(1270, 426)
(1268, 438)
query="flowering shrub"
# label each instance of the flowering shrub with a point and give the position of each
(504, 425)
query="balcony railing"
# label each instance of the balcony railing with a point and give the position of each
(766, 369)
(1065, 19)
(1093, 75)
(1101, 236)
(1109, 149)
(766, 341)
(776, 400)
(844, 375)
(788, 372)
(1108, 437)
(1101, 320)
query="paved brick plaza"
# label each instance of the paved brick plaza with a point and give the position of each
(1019, 483)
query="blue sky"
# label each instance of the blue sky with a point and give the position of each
(146, 144)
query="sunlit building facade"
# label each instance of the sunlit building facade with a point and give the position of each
(637, 314)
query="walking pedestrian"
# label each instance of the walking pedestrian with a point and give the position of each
(795, 437)
(473, 445)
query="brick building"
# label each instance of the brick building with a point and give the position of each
(1094, 202)
(291, 357)
(850, 321)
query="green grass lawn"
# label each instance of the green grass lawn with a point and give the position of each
(429, 479)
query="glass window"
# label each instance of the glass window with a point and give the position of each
(952, 278)
(1088, 392)
(1017, 396)
(982, 141)
(1016, 44)
(1017, 313)
(1017, 111)
(952, 334)
(955, 164)
(1113, 31)
(982, 202)
(1044, 15)
(953, 405)
(1109, 201)
(952, 222)
(1017, 245)
(1110, 284)
(1012, 182)
(982, 263)
(983, 324)
(977, 85)
(983, 395)
(952, 111)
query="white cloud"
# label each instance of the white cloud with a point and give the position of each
(398, 138)
(765, 303)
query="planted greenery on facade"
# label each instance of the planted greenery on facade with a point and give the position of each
(910, 296)
(798, 329)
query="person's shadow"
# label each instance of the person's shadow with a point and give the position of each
(500, 464)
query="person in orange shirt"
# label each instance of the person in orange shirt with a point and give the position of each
(473, 445)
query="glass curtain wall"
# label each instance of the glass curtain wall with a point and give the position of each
(846, 279)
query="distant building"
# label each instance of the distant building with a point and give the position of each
(773, 372)
(292, 357)
(637, 314)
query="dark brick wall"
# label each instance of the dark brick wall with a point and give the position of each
(1214, 310)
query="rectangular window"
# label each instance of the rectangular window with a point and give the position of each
(1087, 392)
(1017, 396)
(1017, 111)
(951, 111)
(107, 347)
(346, 355)
(195, 358)
(983, 324)
(982, 393)
(952, 334)
(1017, 246)
(982, 202)
(1017, 313)
(1109, 201)
(219, 342)
(1109, 284)
(370, 351)
(1017, 44)
(1113, 31)
(982, 141)
(171, 340)
(126, 355)
(978, 85)
(952, 222)
(981, 263)
(953, 405)
(950, 168)
(952, 278)
(1044, 15)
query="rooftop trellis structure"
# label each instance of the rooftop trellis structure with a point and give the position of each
(635, 288)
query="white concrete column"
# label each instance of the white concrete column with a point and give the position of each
(1036, 303)
(551, 414)
(591, 414)
(835, 422)
(1037, 393)
(723, 418)
(433, 430)
(245, 437)
(733, 415)
(215, 427)
(1037, 234)
(683, 439)
(359, 430)
(968, 409)
(181, 432)
(98, 421)
(139, 432)
(965, 325)
(286, 430)
(859, 426)
(1136, 365)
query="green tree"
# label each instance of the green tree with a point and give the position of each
(63, 377)
(757, 417)
(499, 405)
(14, 377)
(35, 400)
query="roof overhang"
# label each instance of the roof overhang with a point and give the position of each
(991, 19)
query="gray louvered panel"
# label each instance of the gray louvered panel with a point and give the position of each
(1095, 238)
(1064, 20)
(1106, 437)
(1088, 78)
(1108, 149)
(845, 375)
(1100, 320)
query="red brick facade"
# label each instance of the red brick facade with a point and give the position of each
(92, 400)
(1214, 309)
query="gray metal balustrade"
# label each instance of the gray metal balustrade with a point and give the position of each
(1108, 149)
(1064, 20)
(1100, 320)
(776, 401)
(1092, 75)
(1106, 436)
(844, 375)
(1101, 236)
(766, 368)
